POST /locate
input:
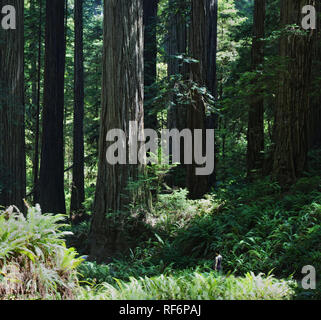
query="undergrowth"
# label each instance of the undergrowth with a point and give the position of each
(34, 260)
(193, 286)
(258, 229)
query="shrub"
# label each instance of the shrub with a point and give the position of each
(34, 260)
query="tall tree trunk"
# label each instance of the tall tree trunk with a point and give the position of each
(122, 101)
(177, 45)
(78, 188)
(33, 59)
(211, 67)
(150, 58)
(177, 74)
(315, 110)
(211, 44)
(255, 136)
(12, 112)
(196, 112)
(37, 131)
(52, 197)
(292, 106)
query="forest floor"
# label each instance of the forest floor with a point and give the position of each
(265, 235)
(259, 230)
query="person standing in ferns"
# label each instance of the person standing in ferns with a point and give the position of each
(218, 263)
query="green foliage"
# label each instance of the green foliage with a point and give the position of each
(193, 286)
(175, 90)
(34, 260)
(173, 211)
(79, 237)
(92, 273)
(139, 263)
(257, 230)
(254, 226)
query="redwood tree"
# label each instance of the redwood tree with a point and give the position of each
(37, 115)
(255, 135)
(202, 45)
(51, 183)
(315, 110)
(150, 57)
(177, 46)
(122, 101)
(12, 112)
(211, 25)
(78, 189)
(292, 101)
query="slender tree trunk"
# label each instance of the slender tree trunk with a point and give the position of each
(177, 45)
(292, 107)
(37, 133)
(12, 112)
(211, 45)
(78, 188)
(122, 101)
(211, 76)
(196, 112)
(177, 74)
(52, 197)
(66, 157)
(255, 136)
(315, 111)
(150, 58)
(33, 62)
